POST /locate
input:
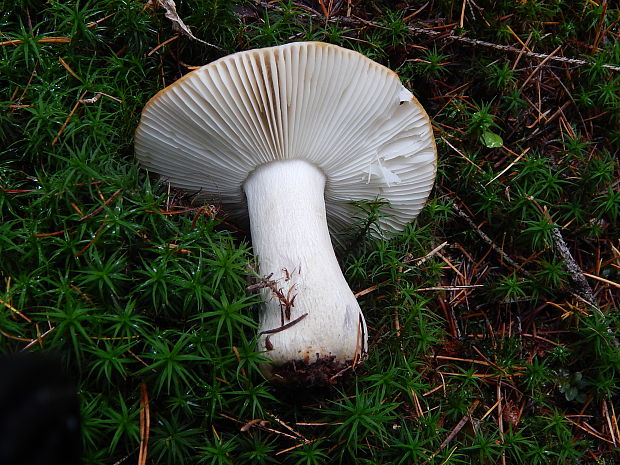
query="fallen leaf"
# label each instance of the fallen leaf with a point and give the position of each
(177, 22)
(491, 140)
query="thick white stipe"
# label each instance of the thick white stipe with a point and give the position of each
(291, 239)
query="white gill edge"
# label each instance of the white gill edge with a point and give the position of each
(349, 116)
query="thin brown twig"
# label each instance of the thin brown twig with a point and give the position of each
(462, 155)
(287, 302)
(15, 338)
(39, 339)
(100, 208)
(459, 426)
(286, 326)
(262, 427)
(283, 423)
(583, 288)
(488, 240)
(96, 236)
(64, 125)
(297, 446)
(457, 38)
(145, 424)
(163, 44)
(14, 310)
(603, 280)
(540, 65)
(44, 40)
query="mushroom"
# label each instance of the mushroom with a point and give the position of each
(291, 136)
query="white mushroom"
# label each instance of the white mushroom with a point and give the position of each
(292, 135)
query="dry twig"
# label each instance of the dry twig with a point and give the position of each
(583, 288)
(434, 33)
(177, 22)
(488, 240)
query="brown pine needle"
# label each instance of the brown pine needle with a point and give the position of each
(462, 155)
(457, 359)
(459, 426)
(603, 280)
(66, 66)
(14, 310)
(44, 40)
(64, 125)
(145, 424)
(493, 407)
(38, 339)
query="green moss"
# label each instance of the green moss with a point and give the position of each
(135, 286)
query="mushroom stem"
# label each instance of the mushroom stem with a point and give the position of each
(290, 237)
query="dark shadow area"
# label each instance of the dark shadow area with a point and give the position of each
(39, 412)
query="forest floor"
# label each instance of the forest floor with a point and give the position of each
(493, 319)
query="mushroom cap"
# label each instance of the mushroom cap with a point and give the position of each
(333, 107)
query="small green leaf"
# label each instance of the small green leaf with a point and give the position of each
(491, 140)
